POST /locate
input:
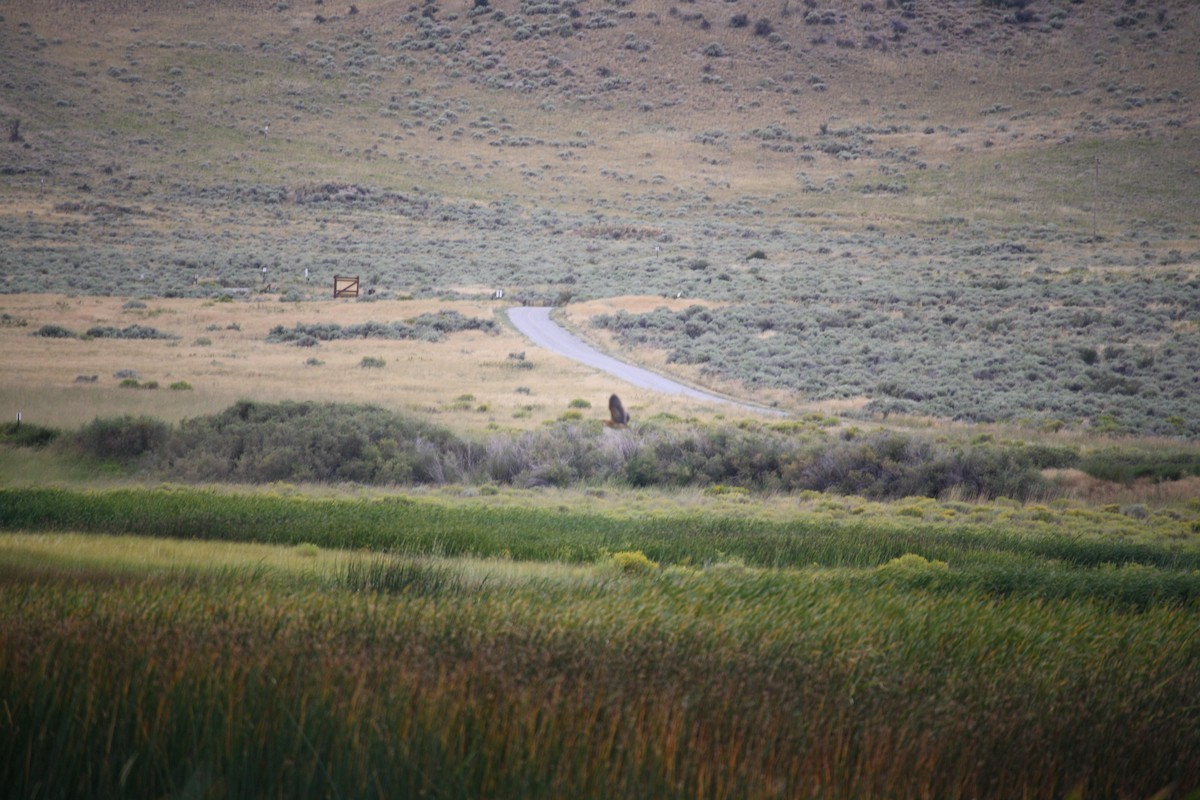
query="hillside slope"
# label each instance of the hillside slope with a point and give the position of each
(898, 201)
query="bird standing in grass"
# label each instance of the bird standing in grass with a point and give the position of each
(620, 417)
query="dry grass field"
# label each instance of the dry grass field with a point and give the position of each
(466, 382)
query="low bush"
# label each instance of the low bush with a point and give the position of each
(427, 327)
(262, 442)
(130, 332)
(55, 332)
(631, 562)
(23, 434)
(122, 438)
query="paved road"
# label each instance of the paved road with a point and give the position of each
(536, 324)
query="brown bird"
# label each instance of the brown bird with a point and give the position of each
(620, 417)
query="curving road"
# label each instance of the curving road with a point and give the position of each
(536, 324)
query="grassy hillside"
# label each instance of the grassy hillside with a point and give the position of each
(973, 209)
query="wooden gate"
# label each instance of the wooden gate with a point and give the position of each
(344, 286)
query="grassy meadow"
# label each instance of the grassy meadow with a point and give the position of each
(709, 656)
(256, 541)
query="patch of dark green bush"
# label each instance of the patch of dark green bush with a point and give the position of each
(23, 434)
(259, 442)
(327, 442)
(428, 327)
(123, 439)
(55, 332)
(131, 332)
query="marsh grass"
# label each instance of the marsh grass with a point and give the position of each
(244, 669)
(995, 544)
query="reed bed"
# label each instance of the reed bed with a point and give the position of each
(416, 526)
(406, 678)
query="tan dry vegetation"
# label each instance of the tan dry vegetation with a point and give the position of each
(427, 378)
(1080, 486)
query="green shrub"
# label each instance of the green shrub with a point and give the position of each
(632, 562)
(121, 438)
(55, 332)
(131, 332)
(263, 442)
(24, 434)
(307, 550)
(914, 571)
(371, 362)
(181, 386)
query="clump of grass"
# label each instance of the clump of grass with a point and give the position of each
(371, 362)
(719, 489)
(392, 575)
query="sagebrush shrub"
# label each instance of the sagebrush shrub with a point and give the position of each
(122, 438)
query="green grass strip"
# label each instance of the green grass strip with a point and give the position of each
(409, 526)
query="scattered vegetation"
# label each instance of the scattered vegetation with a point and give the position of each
(130, 332)
(427, 327)
(308, 441)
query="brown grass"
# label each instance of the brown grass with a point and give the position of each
(1082, 487)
